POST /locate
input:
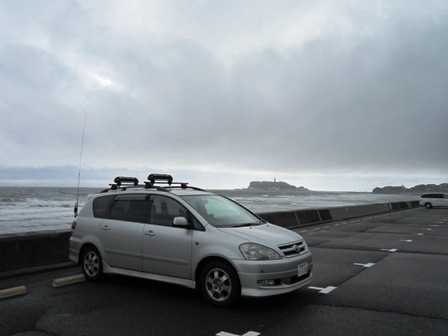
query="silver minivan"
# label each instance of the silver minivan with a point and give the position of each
(187, 236)
(430, 200)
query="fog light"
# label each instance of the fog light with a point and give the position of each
(267, 282)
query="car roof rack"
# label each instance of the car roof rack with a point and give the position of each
(163, 179)
(159, 178)
(124, 182)
(120, 179)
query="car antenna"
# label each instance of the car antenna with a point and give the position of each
(75, 209)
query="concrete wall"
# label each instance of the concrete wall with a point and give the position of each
(26, 250)
(300, 218)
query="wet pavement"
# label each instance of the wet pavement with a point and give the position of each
(384, 275)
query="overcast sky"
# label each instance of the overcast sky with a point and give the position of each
(329, 95)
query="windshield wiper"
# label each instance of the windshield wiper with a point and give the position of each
(247, 224)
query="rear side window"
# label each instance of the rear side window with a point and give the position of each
(101, 206)
(132, 208)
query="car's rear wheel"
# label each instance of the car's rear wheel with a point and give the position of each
(92, 264)
(428, 205)
(220, 284)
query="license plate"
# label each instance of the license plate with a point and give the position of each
(302, 269)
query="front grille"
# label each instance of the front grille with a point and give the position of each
(293, 249)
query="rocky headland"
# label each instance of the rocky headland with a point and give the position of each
(418, 189)
(274, 186)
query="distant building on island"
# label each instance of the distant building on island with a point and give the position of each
(274, 186)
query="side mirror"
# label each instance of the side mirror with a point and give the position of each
(180, 222)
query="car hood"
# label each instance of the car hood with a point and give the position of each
(266, 234)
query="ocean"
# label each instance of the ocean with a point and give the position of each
(32, 209)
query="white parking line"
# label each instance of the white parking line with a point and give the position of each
(68, 280)
(389, 250)
(364, 265)
(325, 290)
(406, 240)
(15, 291)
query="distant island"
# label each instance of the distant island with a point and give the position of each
(418, 189)
(274, 186)
(283, 186)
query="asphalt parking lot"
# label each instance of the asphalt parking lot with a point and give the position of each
(383, 275)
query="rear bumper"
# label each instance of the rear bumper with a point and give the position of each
(74, 249)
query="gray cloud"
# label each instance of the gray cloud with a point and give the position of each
(292, 89)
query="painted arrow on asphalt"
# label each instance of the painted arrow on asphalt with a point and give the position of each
(249, 333)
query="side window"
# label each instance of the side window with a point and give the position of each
(164, 209)
(101, 206)
(130, 208)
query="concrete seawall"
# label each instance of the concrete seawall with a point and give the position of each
(37, 249)
(300, 218)
(33, 249)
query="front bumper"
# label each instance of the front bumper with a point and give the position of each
(283, 275)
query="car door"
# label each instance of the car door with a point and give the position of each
(121, 234)
(167, 249)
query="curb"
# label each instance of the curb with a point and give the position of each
(68, 280)
(10, 292)
(37, 269)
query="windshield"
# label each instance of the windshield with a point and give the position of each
(220, 211)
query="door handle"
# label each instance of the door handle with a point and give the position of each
(105, 228)
(150, 233)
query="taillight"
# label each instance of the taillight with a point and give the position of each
(73, 226)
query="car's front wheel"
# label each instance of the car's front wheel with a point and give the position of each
(428, 205)
(220, 284)
(92, 265)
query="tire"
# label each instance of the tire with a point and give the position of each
(92, 264)
(220, 284)
(428, 205)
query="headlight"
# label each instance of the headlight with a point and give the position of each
(253, 251)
